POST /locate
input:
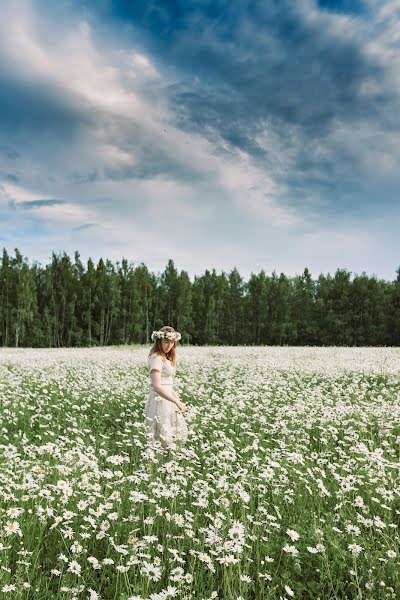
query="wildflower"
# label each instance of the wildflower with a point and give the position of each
(117, 459)
(202, 502)
(93, 595)
(322, 488)
(350, 528)
(133, 540)
(63, 557)
(267, 473)
(290, 549)
(179, 520)
(204, 557)
(189, 578)
(12, 527)
(269, 559)
(82, 504)
(294, 536)
(289, 591)
(355, 549)
(391, 554)
(227, 560)
(379, 523)
(8, 588)
(68, 533)
(75, 567)
(14, 512)
(176, 574)
(153, 572)
(94, 562)
(218, 522)
(369, 586)
(76, 548)
(237, 530)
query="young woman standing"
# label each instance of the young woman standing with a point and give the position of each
(164, 409)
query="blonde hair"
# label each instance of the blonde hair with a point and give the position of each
(157, 347)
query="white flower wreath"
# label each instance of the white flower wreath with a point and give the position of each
(167, 335)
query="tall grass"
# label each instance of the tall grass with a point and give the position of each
(288, 485)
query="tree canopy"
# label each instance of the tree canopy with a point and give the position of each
(68, 303)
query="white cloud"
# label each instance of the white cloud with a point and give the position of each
(130, 118)
(107, 171)
(12, 191)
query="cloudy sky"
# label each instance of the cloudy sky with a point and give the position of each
(219, 133)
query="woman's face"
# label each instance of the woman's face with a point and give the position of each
(166, 345)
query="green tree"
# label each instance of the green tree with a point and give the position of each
(67, 304)
(106, 301)
(7, 301)
(25, 306)
(393, 320)
(303, 328)
(280, 296)
(255, 308)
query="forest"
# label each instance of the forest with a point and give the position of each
(67, 303)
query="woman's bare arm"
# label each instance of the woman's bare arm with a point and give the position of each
(170, 395)
(181, 404)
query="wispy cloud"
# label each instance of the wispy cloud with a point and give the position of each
(32, 204)
(249, 127)
(84, 226)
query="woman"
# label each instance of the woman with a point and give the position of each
(164, 410)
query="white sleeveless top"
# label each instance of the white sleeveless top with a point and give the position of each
(165, 367)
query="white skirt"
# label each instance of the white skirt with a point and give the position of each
(164, 422)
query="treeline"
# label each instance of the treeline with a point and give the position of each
(67, 303)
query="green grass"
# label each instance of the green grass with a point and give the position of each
(269, 451)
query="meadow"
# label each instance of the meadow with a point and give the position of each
(288, 486)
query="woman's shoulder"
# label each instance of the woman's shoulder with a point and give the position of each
(155, 355)
(155, 360)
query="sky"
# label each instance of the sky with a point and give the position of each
(216, 133)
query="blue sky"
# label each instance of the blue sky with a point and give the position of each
(261, 135)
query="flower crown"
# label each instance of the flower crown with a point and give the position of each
(167, 335)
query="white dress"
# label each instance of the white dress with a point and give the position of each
(163, 419)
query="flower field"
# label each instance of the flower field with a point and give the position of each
(288, 486)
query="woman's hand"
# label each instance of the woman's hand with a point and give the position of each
(182, 407)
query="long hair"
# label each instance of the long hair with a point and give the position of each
(157, 349)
